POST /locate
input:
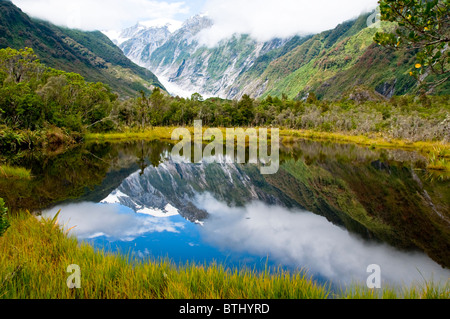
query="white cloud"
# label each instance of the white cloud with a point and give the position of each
(263, 19)
(290, 237)
(93, 220)
(172, 24)
(101, 14)
(268, 19)
(305, 240)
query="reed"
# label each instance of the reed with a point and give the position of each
(7, 171)
(35, 254)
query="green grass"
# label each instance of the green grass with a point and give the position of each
(425, 290)
(35, 254)
(156, 133)
(7, 171)
(439, 157)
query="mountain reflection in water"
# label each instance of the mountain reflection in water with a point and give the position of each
(231, 214)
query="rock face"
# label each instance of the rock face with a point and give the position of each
(174, 186)
(181, 59)
(140, 41)
(329, 63)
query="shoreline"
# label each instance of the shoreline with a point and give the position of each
(438, 153)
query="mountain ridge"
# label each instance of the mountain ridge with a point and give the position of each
(183, 60)
(91, 54)
(331, 64)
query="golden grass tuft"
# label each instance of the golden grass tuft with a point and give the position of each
(7, 171)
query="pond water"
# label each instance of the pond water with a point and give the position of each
(333, 209)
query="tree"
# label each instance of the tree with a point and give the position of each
(246, 110)
(157, 106)
(423, 25)
(197, 97)
(312, 98)
(143, 106)
(20, 65)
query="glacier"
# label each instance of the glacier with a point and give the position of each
(185, 66)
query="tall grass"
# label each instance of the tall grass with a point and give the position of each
(439, 158)
(35, 254)
(155, 133)
(437, 153)
(7, 171)
(420, 290)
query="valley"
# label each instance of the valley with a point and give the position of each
(358, 119)
(332, 64)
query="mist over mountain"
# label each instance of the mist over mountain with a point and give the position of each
(332, 64)
(91, 54)
(338, 63)
(181, 59)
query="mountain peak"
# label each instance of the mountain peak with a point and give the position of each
(170, 24)
(198, 22)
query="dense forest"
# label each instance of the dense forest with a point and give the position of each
(90, 54)
(39, 104)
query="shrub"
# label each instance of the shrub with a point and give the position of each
(10, 140)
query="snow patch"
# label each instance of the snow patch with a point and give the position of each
(114, 197)
(115, 36)
(169, 211)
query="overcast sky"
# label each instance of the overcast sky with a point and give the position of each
(264, 19)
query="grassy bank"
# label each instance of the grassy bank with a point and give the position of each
(7, 171)
(35, 254)
(437, 153)
(157, 133)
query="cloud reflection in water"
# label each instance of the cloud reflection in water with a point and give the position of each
(110, 220)
(292, 238)
(301, 239)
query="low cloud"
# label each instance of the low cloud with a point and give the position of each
(262, 19)
(293, 238)
(268, 19)
(101, 14)
(304, 240)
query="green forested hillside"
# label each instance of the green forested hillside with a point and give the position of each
(90, 54)
(334, 63)
(36, 98)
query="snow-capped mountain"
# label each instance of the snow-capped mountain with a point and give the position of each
(180, 59)
(171, 188)
(331, 64)
(139, 41)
